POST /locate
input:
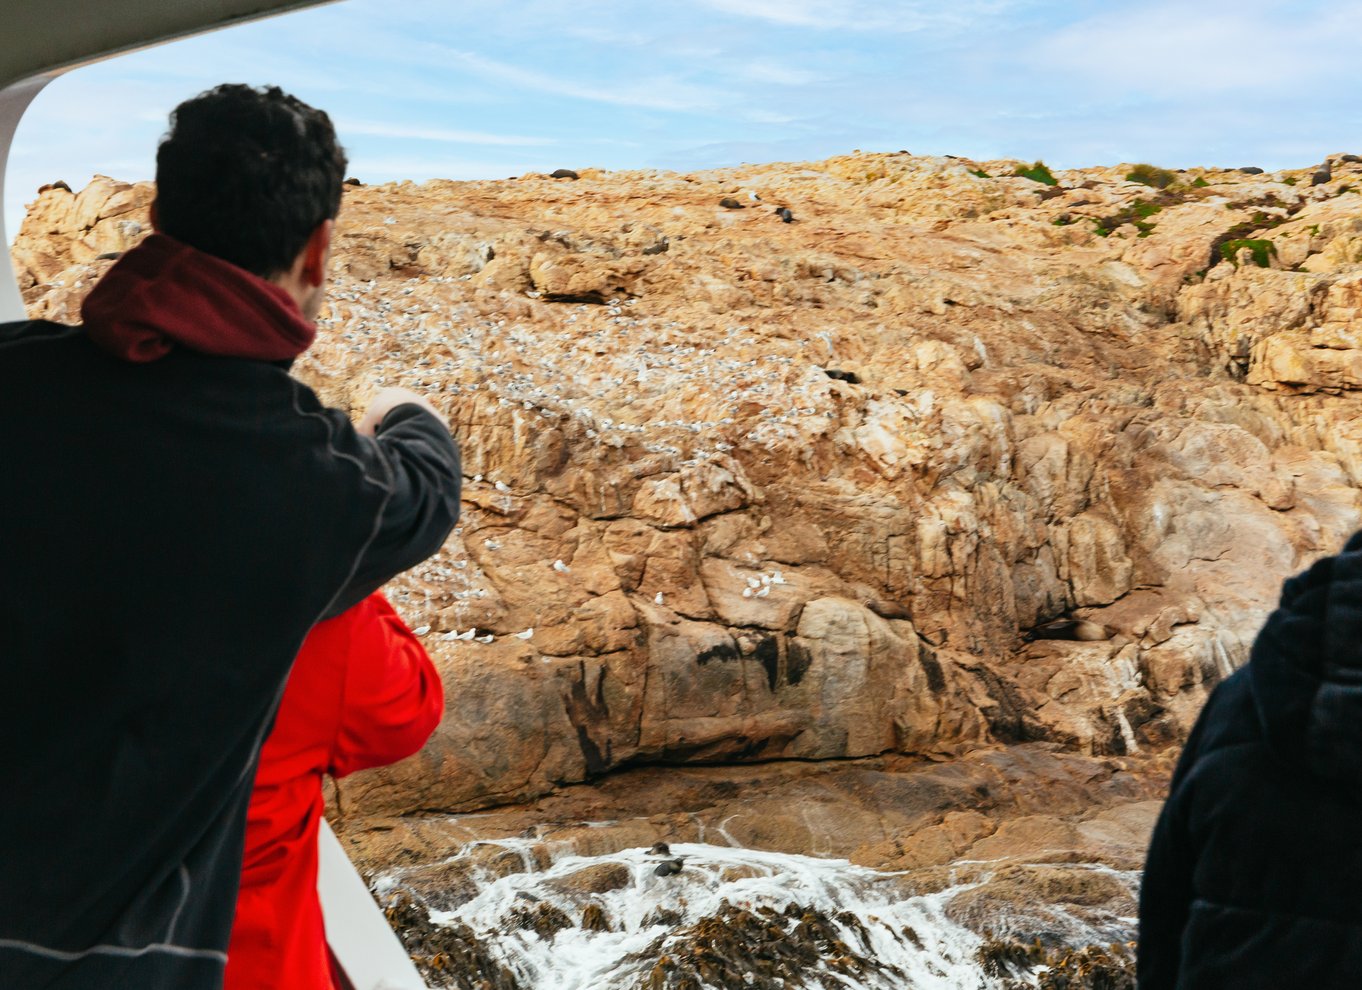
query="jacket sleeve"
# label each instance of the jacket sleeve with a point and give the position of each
(392, 699)
(417, 460)
(1166, 889)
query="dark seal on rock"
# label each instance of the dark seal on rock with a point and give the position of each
(729, 203)
(1321, 177)
(1251, 170)
(888, 610)
(668, 868)
(850, 377)
(660, 849)
(785, 215)
(59, 184)
(1350, 159)
(563, 173)
(1073, 629)
(352, 181)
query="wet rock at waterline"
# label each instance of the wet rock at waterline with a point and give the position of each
(448, 955)
(919, 867)
(752, 919)
(1033, 966)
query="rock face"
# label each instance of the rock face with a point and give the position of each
(1095, 398)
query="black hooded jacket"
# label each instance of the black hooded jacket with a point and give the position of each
(169, 532)
(1254, 875)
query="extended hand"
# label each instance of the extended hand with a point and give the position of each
(388, 399)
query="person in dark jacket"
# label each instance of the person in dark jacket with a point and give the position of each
(177, 512)
(1254, 874)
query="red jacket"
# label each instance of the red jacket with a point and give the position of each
(362, 693)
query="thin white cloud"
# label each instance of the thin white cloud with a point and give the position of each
(797, 13)
(394, 168)
(768, 117)
(371, 128)
(867, 15)
(768, 71)
(1174, 50)
(651, 94)
(607, 35)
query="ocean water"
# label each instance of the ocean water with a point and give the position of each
(730, 917)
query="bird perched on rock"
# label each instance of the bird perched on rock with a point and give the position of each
(785, 215)
(668, 867)
(1075, 629)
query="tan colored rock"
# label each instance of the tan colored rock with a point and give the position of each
(1043, 420)
(1018, 899)
(1022, 808)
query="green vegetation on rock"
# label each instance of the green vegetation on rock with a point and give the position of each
(1037, 172)
(1137, 214)
(1152, 175)
(979, 173)
(1200, 182)
(1262, 251)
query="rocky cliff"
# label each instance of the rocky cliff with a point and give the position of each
(741, 488)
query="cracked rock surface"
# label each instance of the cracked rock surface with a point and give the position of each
(1084, 399)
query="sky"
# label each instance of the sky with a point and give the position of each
(465, 89)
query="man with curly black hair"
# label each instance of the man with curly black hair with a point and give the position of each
(178, 512)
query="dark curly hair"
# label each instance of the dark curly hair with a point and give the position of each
(247, 174)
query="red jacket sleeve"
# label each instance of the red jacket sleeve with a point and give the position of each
(393, 698)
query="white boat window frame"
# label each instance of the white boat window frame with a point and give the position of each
(44, 38)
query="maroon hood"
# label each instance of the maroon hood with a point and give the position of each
(163, 293)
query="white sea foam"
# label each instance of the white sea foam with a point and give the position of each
(910, 936)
